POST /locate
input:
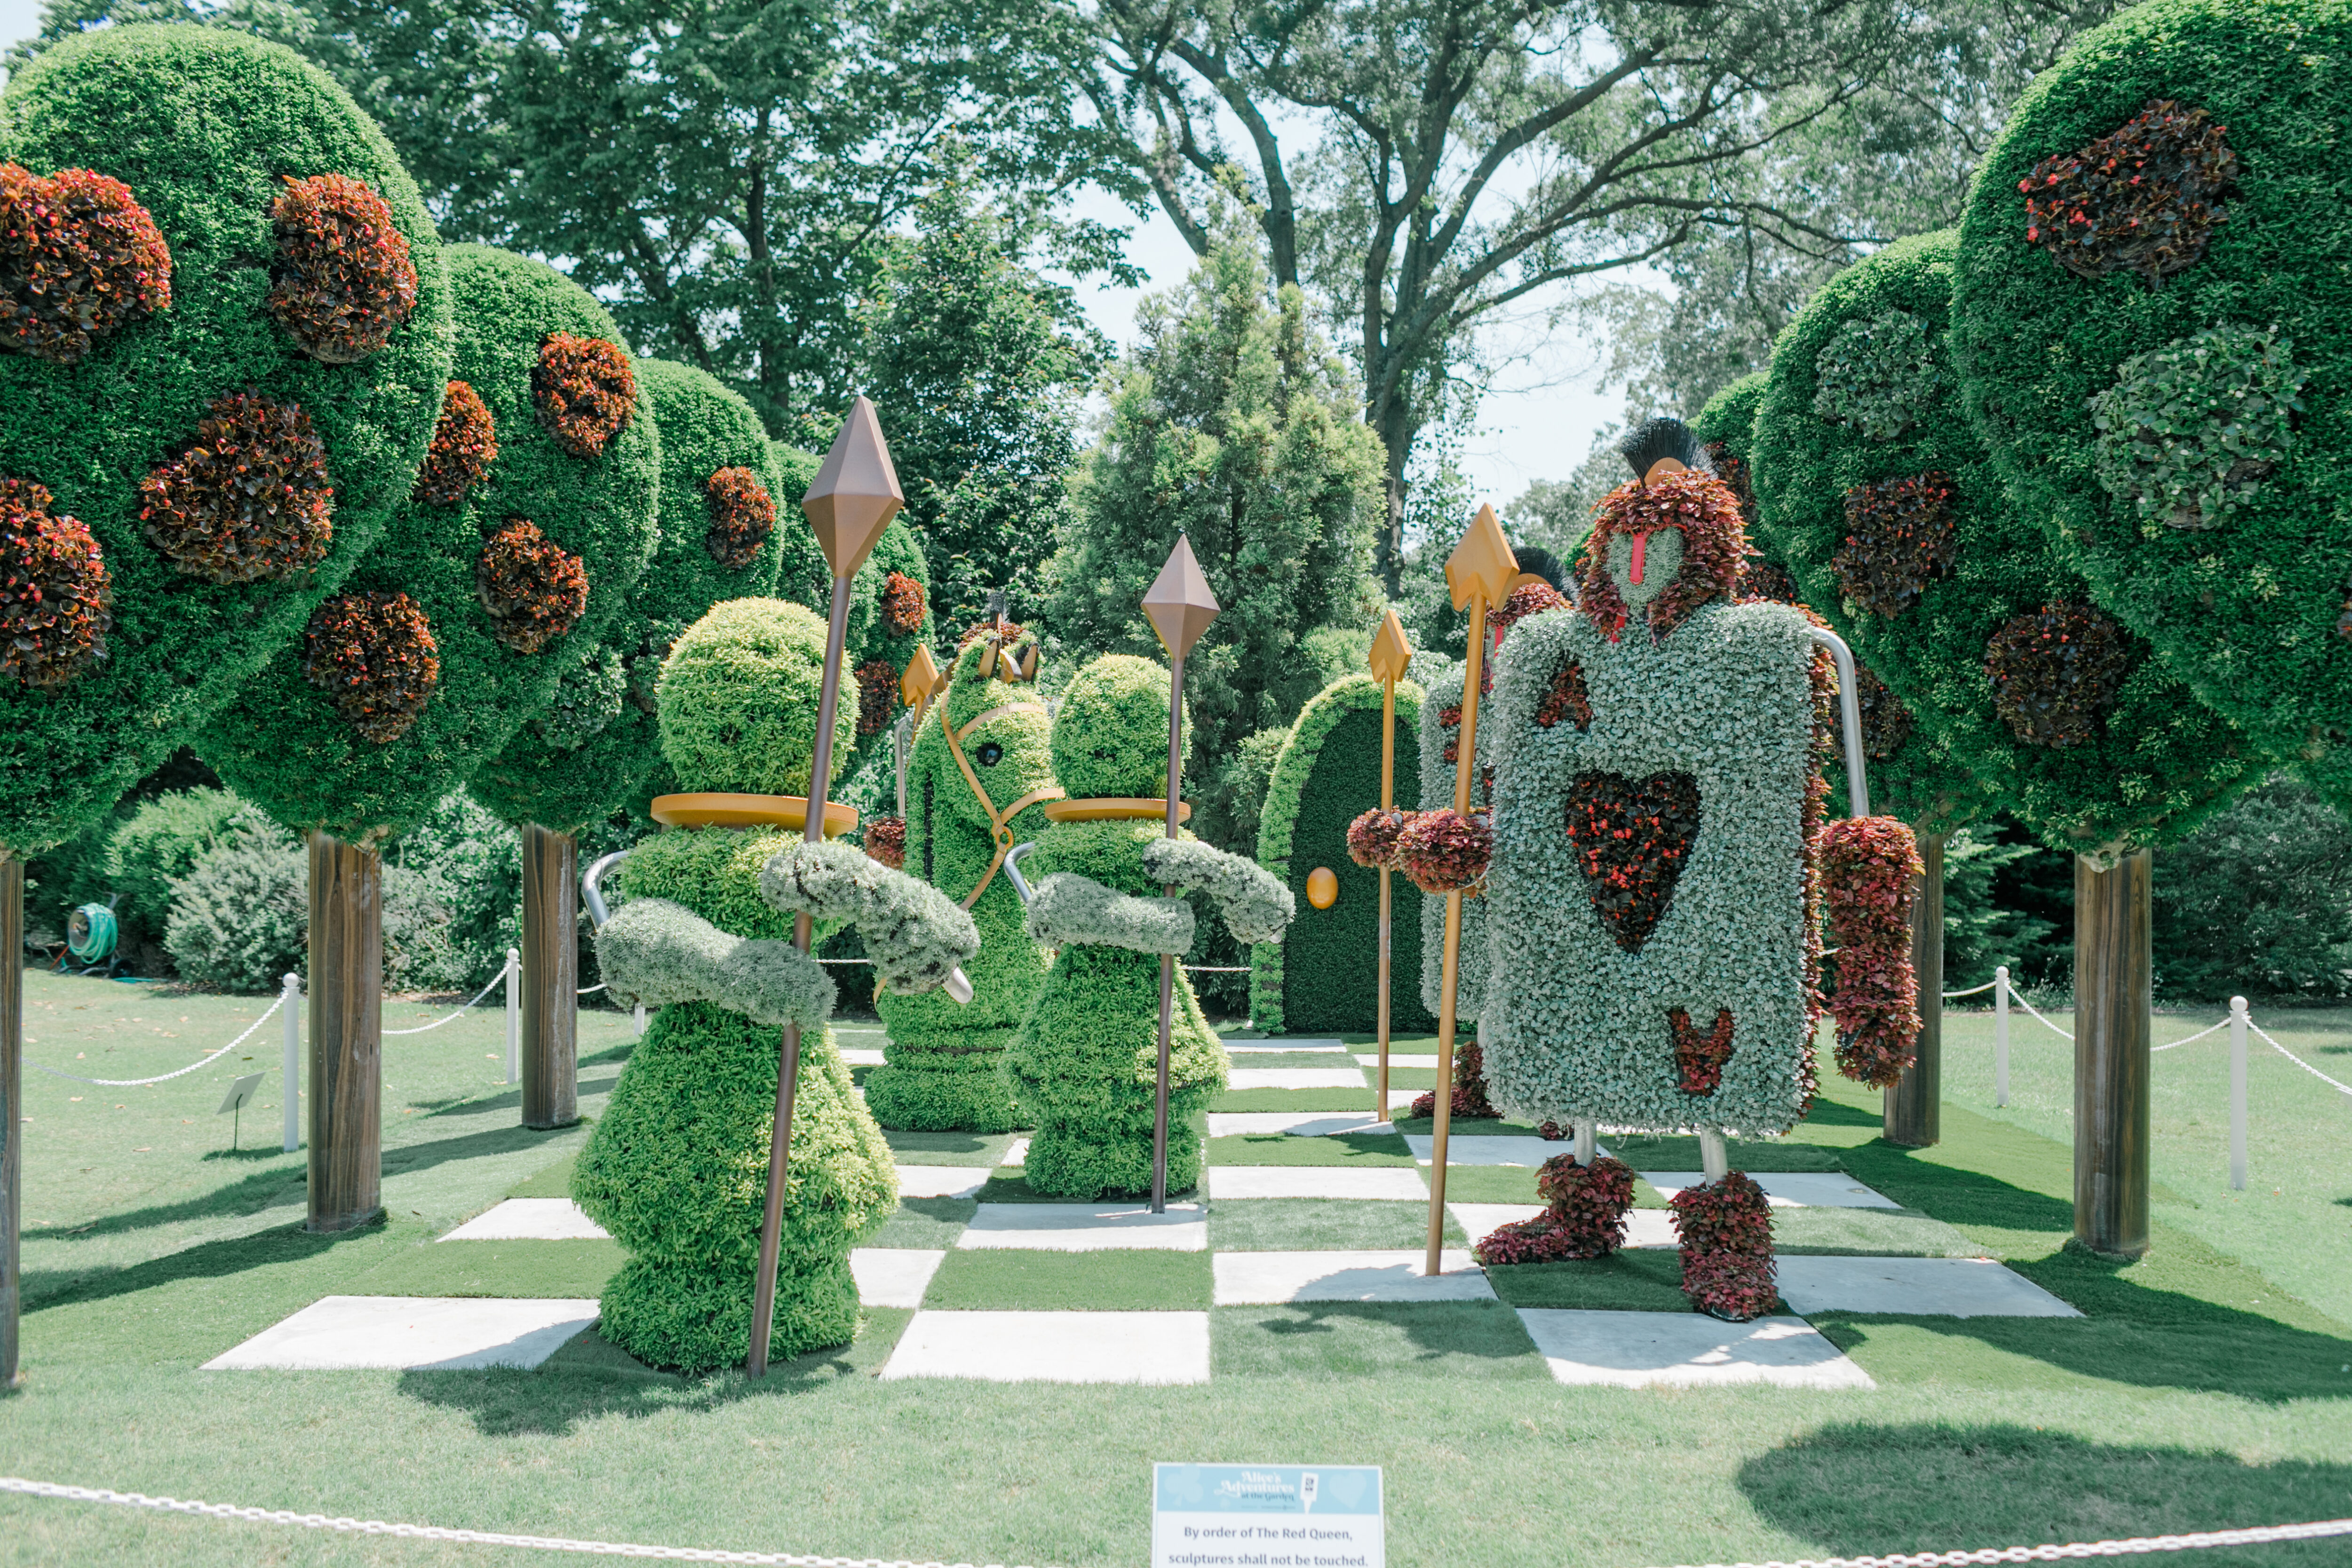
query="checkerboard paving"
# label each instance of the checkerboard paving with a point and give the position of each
(1306, 1240)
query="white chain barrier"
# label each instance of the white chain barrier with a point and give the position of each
(2340, 1087)
(496, 981)
(167, 1077)
(2133, 1547)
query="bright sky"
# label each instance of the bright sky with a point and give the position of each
(1536, 423)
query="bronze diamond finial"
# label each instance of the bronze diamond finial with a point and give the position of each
(1179, 602)
(856, 493)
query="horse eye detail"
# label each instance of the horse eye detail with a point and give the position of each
(990, 754)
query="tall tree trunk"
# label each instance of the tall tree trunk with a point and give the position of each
(1913, 1108)
(11, 1108)
(346, 1035)
(2113, 984)
(550, 977)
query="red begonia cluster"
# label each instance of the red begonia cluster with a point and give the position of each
(78, 258)
(902, 604)
(2144, 199)
(584, 391)
(1468, 1100)
(1372, 838)
(1885, 722)
(374, 656)
(1760, 579)
(1867, 867)
(1443, 851)
(1566, 698)
(1715, 542)
(465, 445)
(1725, 1228)
(1585, 1217)
(249, 498)
(55, 594)
(1699, 1057)
(878, 695)
(534, 589)
(1733, 472)
(341, 282)
(2057, 673)
(1527, 599)
(1632, 838)
(1898, 540)
(885, 840)
(742, 516)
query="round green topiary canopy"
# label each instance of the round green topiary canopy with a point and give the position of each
(516, 573)
(2154, 341)
(1877, 491)
(207, 131)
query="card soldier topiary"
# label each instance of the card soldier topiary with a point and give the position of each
(981, 771)
(1327, 774)
(1910, 548)
(508, 582)
(196, 443)
(677, 1167)
(2149, 318)
(1085, 1062)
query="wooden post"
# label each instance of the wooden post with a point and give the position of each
(12, 1109)
(2113, 983)
(346, 1035)
(550, 977)
(1913, 1107)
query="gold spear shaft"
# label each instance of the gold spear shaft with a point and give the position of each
(1391, 657)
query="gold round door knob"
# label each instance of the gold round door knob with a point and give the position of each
(1322, 887)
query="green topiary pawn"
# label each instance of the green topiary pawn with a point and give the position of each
(676, 1168)
(981, 771)
(1085, 1062)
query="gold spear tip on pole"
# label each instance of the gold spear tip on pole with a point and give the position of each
(856, 493)
(1179, 602)
(922, 674)
(1482, 566)
(1392, 653)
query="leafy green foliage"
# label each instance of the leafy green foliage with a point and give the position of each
(2160, 762)
(916, 936)
(1233, 425)
(656, 953)
(2189, 432)
(2244, 613)
(241, 919)
(198, 123)
(162, 842)
(1327, 775)
(504, 641)
(2258, 901)
(1069, 911)
(1440, 735)
(874, 633)
(1110, 736)
(1253, 903)
(739, 699)
(1879, 375)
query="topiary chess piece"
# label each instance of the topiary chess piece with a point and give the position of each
(677, 1167)
(1085, 1063)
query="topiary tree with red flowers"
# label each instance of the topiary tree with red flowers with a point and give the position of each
(192, 455)
(518, 544)
(1877, 492)
(592, 751)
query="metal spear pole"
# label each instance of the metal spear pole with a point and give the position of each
(1391, 655)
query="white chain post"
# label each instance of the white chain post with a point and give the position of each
(1714, 1155)
(514, 1016)
(638, 1013)
(2000, 1035)
(2237, 1094)
(292, 1003)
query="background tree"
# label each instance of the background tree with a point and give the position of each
(978, 366)
(1234, 425)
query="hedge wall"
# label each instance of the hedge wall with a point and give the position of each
(803, 577)
(1441, 722)
(293, 748)
(2202, 298)
(1944, 565)
(1327, 774)
(593, 749)
(199, 124)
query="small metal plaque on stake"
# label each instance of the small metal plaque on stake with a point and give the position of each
(1267, 1516)
(238, 1093)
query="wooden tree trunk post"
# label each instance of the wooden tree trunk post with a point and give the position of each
(2113, 981)
(11, 1108)
(550, 977)
(346, 1035)
(1912, 1118)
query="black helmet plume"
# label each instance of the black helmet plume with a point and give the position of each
(1535, 558)
(1658, 438)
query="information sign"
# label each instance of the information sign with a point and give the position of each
(1267, 1516)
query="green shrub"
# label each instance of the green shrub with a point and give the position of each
(803, 576)
(1110, 737)
(2143, 772)
(282, 743)
(2231, 221)
(468, 866)
(241, 919)
(1327, 774)
(161, 843)
(738, 699)
(2258, 901)
(877, 637)
(199, 123)
(1878, 376)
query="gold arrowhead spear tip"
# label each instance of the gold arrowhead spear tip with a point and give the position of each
(1179, 602)
(856, 494)
(1482, 566)
(1391, 654)
(922, 674)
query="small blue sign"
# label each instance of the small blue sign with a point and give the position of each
(1267, 1516)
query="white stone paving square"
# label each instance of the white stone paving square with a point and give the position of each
(1641, 1350)
(1786, 1189)
(1399, 1059)
(1299, 1123)
(1087, 1228)
(1299, 1077)
(1016, 1153)
(862, 1056)
(941, 1181)
(1055, 1347)
(1253, 1278)
(894, 1275)
(416, 1333)
(530, 1219)
(1933, 1287)
(1246, 1047)
(1643, 1228)
(1465, 1148)
(1316, 1182)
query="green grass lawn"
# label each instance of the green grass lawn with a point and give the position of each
(2207, 1384)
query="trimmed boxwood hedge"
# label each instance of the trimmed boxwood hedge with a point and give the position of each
(1435, 792)
(2247, 610)
(593, 749)
(1327, 774)
(943, 1064)
(872, 640)
(281, 744)
(199, 123)
(2160, 763)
